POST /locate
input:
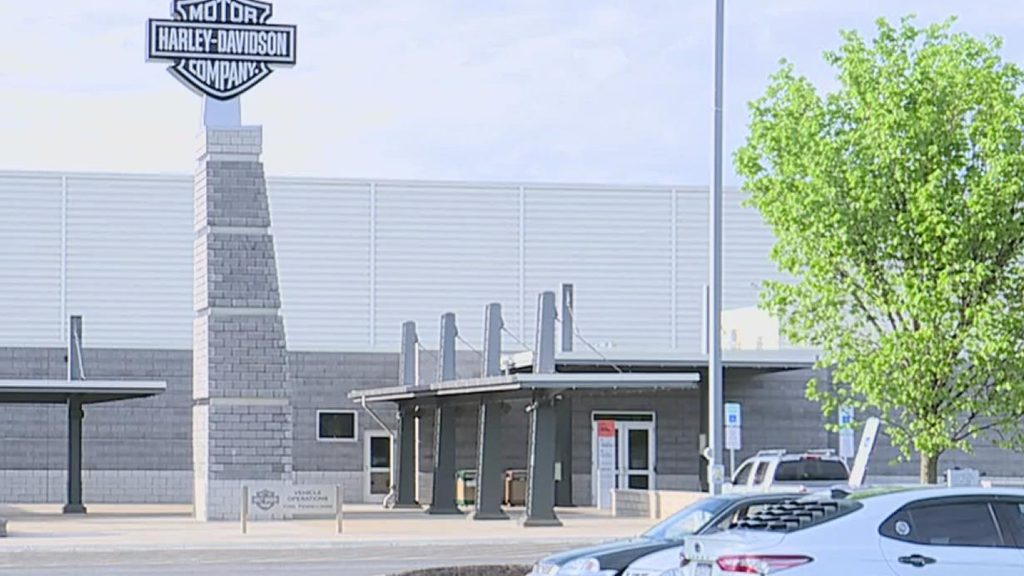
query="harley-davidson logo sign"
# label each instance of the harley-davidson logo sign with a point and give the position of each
(221, 48)
(265, 499)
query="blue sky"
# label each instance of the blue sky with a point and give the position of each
(552, 90)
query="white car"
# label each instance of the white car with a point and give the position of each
(926, 532)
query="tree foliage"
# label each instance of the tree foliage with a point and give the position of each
(898, 204)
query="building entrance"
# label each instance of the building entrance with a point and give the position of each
(377, 466)
(623, 458)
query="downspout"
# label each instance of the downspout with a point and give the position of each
(376, 418)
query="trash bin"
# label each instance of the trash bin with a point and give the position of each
(515, 487)
(465, 487)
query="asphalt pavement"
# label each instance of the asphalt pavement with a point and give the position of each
(368, 560)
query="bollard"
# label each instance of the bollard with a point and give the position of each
(245, 509)
(340, 506)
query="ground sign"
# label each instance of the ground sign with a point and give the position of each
(276, 499)
(221, 48)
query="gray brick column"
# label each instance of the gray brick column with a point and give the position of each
(241, 415)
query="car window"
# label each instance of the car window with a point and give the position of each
(742, 513)
(1011, 517)
(938, 523)
(762, 468)
(688, 520)
(743, 474)
(810, 469)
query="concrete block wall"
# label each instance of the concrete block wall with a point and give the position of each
(242, 414)
(322, 381)
(776, 411)
(677, 417)
(98, 486)
(133, 450)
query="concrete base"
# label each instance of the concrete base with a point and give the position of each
(535, 522)
(490, 516)
(73, 509)
(444, 511)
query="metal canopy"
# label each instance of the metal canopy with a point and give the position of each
(534, 381)
(789, 359)
(88, 391)
(75, 392)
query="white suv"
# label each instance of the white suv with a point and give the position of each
(778, 469)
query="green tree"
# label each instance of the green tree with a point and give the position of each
(898, 204)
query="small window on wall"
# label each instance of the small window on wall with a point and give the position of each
(336, 425)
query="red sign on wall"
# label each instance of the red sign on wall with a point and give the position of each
(605, 428)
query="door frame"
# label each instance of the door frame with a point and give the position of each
(652, 442)
(368, 471)
(624, 471)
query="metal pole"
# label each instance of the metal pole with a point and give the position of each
(245, 509)
(340, 506)
(715, 271)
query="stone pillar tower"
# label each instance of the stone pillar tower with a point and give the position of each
(241, 414)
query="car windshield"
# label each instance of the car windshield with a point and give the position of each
(810, 470)
(688, 520)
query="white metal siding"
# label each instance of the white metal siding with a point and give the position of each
(30, 260)
(615, 247)
(357, 258)
(322, 237)
(129, 260)
(746, 248)
(445, 248)
(691, 267)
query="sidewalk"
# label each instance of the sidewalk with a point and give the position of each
(111, 528)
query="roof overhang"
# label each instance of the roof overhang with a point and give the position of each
(782, 359)
(89, 391)
(531, 382)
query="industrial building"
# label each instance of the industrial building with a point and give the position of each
(303, 286)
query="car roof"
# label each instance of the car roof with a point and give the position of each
(899, 494)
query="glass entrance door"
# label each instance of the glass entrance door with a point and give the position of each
(377, 466)
(623, 454)
(636, 459)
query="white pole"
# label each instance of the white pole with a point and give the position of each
(245, 509)
(715, 271)
(340, 506)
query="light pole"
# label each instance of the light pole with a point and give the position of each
(715, 376)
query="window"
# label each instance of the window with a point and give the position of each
(688, 520)
(741, 477)
(938, 523)
(762, 468)
(335, 425)
(741, 513)
(1011, 516)
(808, 470)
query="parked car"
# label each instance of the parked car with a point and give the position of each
(782, 470)
(609, 559)
(923, 531)
(657, 562)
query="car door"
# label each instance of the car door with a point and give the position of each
(949, 537)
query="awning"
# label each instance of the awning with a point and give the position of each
(87, 391)
(530, 381)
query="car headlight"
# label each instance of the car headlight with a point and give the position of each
(588, 566)
(545, 569)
